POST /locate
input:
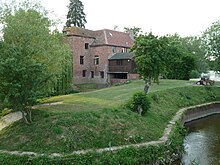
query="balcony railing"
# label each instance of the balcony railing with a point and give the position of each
(120, 69)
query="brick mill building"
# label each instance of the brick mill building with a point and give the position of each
(101, 56)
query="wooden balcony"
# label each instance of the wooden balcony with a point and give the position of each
(120, 69)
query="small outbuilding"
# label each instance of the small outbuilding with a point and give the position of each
(122, 67)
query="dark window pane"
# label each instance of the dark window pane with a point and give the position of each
(92, 74)
(102, 74)
(84, 73)
(86, 45)
(81, 60)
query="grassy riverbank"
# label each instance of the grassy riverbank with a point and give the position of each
(96, 119)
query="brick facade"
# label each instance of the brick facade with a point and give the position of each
(91, 51)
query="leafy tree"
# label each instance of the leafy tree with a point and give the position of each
(180, 60)
(196, 47)
(166, 55)
(76, 15)
(31, 59)
(149, 57)
(211, 39)
(135, 31)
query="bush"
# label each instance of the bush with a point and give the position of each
(139, 103)
(194, 74)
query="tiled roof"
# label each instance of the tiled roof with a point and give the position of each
(76, 31)
(122, 56)
(102, 37)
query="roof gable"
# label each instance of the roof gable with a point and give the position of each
(122, 56)
(118, 38)
(76, 31)
(102, 37)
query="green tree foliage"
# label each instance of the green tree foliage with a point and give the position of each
(135, 31)
(180, 60)
(32, 58)
(76, 15)
(149, 57)
(196, 47)
(211, 39)
(166, 56)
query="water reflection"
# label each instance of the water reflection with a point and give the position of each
(202, 145)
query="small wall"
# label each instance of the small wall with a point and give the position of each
(117, 81)
(133, 76)
(201, 111)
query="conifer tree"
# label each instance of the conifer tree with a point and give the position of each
(76, 15)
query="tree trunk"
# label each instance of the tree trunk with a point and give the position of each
(27, 116)
(140, 110)
(24, 117)
(147, 86)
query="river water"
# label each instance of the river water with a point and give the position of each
(202, 145)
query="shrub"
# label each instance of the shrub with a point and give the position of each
(194, 74)
(139, 103)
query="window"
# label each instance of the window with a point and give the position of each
(96, 60)
(84, 73)
(81, 61)
(124, 50)
(92, 74)
(86, 45)
(114, 49)
(119, 62)
(102, 74)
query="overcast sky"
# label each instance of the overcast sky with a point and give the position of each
(185, 17)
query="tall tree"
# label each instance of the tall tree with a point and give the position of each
(196, 47)
(31, 58)
(211, 39)
(180, 60)
(164, 55)
(149, 57)
(76, 15)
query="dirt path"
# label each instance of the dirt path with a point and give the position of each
(9, 119)
(15, 116)
(47, 104)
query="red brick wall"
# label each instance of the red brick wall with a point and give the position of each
(78, 49)
(130, 77)
(116, 81)
(104, 52)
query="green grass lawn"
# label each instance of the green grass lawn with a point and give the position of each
(96, 119)
(107, 97)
